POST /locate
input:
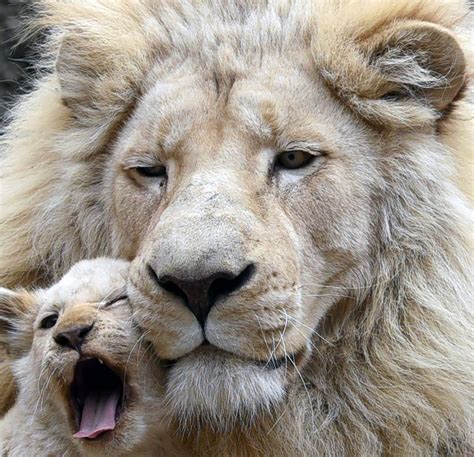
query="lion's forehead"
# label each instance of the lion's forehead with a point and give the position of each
(94, 282)
(81, 293)
(283, 87)
(232, 120)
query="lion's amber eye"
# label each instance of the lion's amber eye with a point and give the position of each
(294, 159)
(49, 321)
(152, 172)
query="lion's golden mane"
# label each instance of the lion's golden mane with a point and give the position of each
(393, 375)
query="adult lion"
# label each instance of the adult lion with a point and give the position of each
(283, 174)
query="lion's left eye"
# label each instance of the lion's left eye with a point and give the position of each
(115, 300)
(49, 321)
(294, 159)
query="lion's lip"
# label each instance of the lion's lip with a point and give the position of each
(98, 394)
(272, 363)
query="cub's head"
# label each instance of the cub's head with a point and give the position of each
(81, 365)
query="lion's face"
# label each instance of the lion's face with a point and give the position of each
(248, 204)
(82, 366)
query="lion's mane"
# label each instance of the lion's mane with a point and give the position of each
(393, 372)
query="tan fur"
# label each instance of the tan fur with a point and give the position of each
(362, 263)
(42, 421)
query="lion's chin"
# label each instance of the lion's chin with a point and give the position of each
(218, 389)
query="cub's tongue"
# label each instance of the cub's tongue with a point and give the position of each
(98, 414)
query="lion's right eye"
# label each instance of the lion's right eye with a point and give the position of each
(152, 172)
(294, 159)
(49, 321)
(115, 300)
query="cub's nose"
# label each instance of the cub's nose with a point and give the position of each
(201, 295)
(74, 337)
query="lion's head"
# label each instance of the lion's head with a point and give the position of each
(86, 377)
(278, 173)
(251, 199)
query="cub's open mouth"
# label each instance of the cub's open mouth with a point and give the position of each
(97, 396)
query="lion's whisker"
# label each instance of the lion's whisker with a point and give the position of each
(39, 402)
(311, 329)
(103, 302)
(303, 382)
(130, 355)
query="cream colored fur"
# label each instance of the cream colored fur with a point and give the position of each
(362, 262)
(41, 422)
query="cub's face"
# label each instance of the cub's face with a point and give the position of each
(80, 362)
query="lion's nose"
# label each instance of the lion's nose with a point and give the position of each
(201, 295)
(73, 338)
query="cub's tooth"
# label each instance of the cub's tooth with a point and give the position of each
(101, 361)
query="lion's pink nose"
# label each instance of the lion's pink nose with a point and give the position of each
(200, 295)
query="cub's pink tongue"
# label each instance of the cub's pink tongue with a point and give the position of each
(98, 415)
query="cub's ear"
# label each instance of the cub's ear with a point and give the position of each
(403, 75)
(17, 315)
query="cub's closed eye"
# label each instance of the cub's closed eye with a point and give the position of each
(158, 171)
(49, 321)
(294, 159)
(115, 300)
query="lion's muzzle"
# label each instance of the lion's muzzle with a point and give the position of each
(201, 294)
(215, 268)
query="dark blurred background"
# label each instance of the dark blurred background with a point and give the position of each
(13, 65)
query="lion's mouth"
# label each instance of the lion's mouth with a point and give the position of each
(275, 363)
(272, 363)
(97, 396)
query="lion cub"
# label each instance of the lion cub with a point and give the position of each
(88, 384)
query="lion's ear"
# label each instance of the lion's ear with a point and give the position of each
(403, 75)
(76, 75)
(17, 315)
(96, 88)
